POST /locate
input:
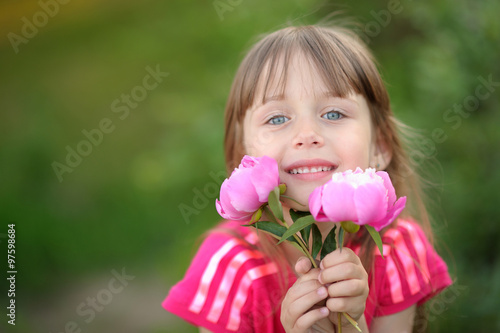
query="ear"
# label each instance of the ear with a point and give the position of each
(381, 153)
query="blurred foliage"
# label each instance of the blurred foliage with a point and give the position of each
(120, 207)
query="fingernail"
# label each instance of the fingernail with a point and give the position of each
(324, 311)
(319, 278)
(322, 291)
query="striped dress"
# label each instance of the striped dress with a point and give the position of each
(231, 287)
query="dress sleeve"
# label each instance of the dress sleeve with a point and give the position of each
(217, 291)
(411, 273)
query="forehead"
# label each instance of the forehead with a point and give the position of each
(298, 74)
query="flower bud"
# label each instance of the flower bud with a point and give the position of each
(282, 188)
(256, 216)
(349, 226)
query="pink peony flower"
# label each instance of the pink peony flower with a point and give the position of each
(361, 197)
(247, 188)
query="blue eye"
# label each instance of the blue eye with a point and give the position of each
(277, 120)
(332, 115)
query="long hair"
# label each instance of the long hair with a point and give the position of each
(346, 66)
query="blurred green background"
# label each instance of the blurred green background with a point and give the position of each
(118, 209)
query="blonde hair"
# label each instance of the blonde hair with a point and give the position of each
(346, 66)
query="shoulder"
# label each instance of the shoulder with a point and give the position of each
(411, 271)
(227, 273)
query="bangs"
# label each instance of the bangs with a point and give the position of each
(340, 62)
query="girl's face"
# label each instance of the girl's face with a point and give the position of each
(310, 132)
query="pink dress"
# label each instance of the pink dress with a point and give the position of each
(232, 287)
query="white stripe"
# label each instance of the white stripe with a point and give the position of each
(212, 266)
(242, 293)
(227, 282)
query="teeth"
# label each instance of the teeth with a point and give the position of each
(311, 170)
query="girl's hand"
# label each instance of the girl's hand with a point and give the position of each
(301, 311)
(347, 282)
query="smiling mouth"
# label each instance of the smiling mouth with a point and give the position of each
(313, 169)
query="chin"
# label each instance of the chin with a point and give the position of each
(303, 198)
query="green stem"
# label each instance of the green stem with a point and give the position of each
(306, 251)
(299, 240)
(340, 244)
(351, 320)
(292, 199)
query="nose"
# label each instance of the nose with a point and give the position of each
(307, 136)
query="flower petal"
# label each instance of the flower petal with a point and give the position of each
(222, 212)
(226, 206)
(338, 202)
(248, 162)
(315, 205)
(241, 193)
(371, 203)
(391, 193)
(265, 177)
(393, 213)
(219, 208)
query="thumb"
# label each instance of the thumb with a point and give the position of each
(302, 266)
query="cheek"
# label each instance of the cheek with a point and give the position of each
(355, 150)
(258, 143)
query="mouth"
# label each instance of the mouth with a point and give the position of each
(310, 168)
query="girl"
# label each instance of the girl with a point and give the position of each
(312, 98)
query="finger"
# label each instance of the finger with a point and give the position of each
(337, 257)
(300, 305)
(355, 306)
(344, 271)
(302, 266)
(310, 318)
(302, 288)
(312, 274)
(348, 288)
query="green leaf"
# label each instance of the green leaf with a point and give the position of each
(341, 238)
(297, 214)
(317, 241)
(298, 225)
(305, 235)
(275, 204)
(298, 247)
(270, 215)
(376, 237)
(274, 229)
(330, 244)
